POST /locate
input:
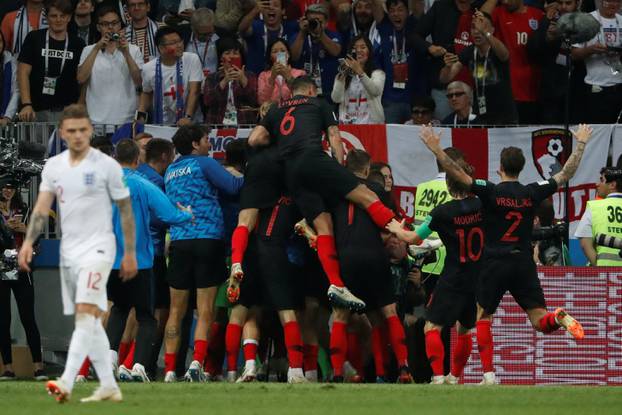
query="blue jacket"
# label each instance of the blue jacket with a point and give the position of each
(195, 181)
(147, 200)
(157, 227)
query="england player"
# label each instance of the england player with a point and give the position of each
(508, 254)
(458, 224)
(85, 182)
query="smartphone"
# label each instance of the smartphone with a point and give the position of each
(281, 57)
(18, 218)
(237, 62)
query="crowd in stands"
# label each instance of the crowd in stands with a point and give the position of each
(378, 61)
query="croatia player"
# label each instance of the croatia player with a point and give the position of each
(85, 182)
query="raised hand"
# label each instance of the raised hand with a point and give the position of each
(583, 133)
(429, 137)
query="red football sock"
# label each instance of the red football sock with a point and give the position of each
(380, 214)
(485, 344)
(124, 349)
(293, 343)
(170, 361)
(378, 343)
(548, 324)
(398, 340)
(200, 350)
(327, 253)
(232, 345)
(310, 352)
(462, 351)
(355, 356)
(128, 362)
(338, 347)
(239, 242)
(436, 351)
(250, 349)
(84, 369)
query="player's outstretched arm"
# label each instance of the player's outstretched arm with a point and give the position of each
(397, 228)
(38, 221)
(129, 266)
(583, 134)
(334, 138)
(433, 142)
(259, 137)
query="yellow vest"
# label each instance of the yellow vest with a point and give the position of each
(429, 195)
(607, 219)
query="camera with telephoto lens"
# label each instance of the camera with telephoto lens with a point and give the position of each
(314, 24)
(114, 37)
(422, 259)
(545, 233)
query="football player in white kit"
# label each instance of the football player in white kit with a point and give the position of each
(84, 182)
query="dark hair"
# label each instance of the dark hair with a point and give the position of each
(424, 101)
(376, 177)
(300, 82)
(228, 43)
(74, 112)
(156, 147)
(512, 161)
(379, 165)
(104, 9)
(186, 135)
(454, 153)
(269, 62)
(369, 66)
(357, 160)
(545, 212)
(103, 144)
(126, 152)
(613, 174)
(455, 187)
(235, 153)
(396, 2)
(64, 6)
(165, 31)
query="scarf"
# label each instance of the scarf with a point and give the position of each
(159, 92)
(21, 27)
(6, 84)
(152, 28)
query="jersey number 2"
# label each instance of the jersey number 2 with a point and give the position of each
(516, 217)
(288, 123)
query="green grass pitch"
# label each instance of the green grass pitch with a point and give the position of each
(319, 399)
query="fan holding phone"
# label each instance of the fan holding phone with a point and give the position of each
(273, 83)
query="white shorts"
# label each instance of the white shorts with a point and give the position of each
(84, 284)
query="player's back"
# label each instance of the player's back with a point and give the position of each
(459, 224)
(297, 124)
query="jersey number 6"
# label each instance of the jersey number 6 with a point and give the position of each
(288, 122)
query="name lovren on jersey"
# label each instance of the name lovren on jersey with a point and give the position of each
(182, 171)
(54, 53)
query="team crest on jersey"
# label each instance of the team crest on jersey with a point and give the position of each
(89, 179)
(549, 151)
(533, 23)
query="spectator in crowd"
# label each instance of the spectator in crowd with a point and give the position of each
(141, 30)
(604, 69)
(422, 112)
(231, 93)
(47, 68)
(16, 25)
(460, 97)
(9, 93)
(179, 7)
(296, 9)
(514, 22)
(203, 40)
(171, 82)
(386, 172)
(358, 86)
(82, 24)
(8, 6)
(272, 84)
(546, 47)
(448, 23)
(228, 15)
(362, 17)
(403, 69)
(261, 32)
(487, 60)
(111, 71)
(315, 48)
(12, 229)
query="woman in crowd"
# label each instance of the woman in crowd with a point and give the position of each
(14, 213)
(9, 93)
(231, 93)
(358, 86)
(272, 83)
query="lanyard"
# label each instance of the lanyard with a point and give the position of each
(196, 47)
(399, 55)
(47, 53)
(484, 74)
(602, 29)
(468, 119)
(310, 53)
(265, 36)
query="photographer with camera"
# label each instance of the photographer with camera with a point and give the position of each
(12, 229)
(358, 86)
(48, 64)
(110, 69)
(603, 216)
(549, 248)
(315, 49)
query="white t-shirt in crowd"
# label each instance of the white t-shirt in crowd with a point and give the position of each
(206, 53)
(598, 66)
(84, 196)
(111, 96)
(192, 72)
